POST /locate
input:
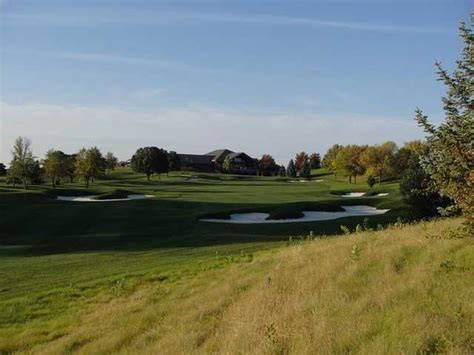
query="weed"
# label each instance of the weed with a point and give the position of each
(355, 252)
(447, 266)
(345, 229)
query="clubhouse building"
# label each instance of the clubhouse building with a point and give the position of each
(239, 163)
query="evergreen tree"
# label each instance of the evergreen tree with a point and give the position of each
(282, 171)
(450, 157)
(305, 169)
(291, 169)
(315, 161)
(418, 192)
(371, 181)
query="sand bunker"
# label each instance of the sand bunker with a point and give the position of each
(305, 181)
(353, 194)
(91, 198)
(360, 194)
(309, 216)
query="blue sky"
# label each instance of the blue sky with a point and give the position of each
(260, 76)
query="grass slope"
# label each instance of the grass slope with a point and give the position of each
(59, 259)
(401, 290)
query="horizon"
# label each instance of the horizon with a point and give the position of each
(270, 77)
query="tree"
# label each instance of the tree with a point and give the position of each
(53, 165)
(282, 171)
(23, 166)
(330, 157)
(173, 161)
(299, 160)
(371, 181)
(291, 169)
(3, 169)
(227, 164)
(89, 164)
(110, 161)
(418, 191)
(450, 157)
(266, 164)
(149, 161)
(315, 161)
(164, 165)
(348, 162)
(36, 174)
(402, 158)
(69, 166)
(305, 169)
(378, 159)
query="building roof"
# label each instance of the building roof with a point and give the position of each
(235, 155)
(220, 154)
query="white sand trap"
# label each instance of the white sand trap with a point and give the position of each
(305, 181)
(91, 198)
(381, 194)
(309, 216)
(353, 194)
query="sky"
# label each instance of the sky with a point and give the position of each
(260, 76)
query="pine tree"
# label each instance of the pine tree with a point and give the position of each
(450, 157)
(305, 169)
(291, 169)
(315, 161)
(282, 171)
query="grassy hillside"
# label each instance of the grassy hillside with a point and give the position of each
(404, 289)
(135, 275)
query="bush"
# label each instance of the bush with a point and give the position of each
(417, 191)
(371, 181)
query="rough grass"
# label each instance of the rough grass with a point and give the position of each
(401, 290)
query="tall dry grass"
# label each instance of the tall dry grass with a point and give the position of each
(393, 291)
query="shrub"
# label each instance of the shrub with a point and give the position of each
(371, 181)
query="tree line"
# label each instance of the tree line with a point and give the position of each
(376, 161)
(26, 169)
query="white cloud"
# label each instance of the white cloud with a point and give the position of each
(148, 18)
(191, 129)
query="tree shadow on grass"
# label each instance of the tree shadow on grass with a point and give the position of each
(43, 226)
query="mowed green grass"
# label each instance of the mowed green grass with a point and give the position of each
(58, 257)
